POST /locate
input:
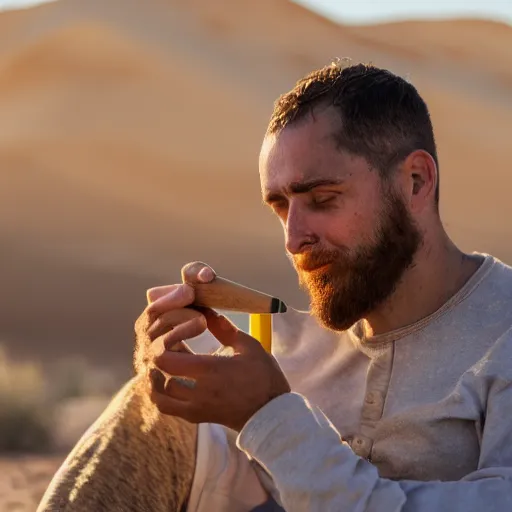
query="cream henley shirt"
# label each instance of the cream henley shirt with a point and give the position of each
(418, 419)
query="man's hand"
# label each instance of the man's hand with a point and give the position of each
(227, 387)
(196, 272)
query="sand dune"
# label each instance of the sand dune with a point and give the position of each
(129, 137)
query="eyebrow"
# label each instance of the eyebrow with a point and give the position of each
(303, 187)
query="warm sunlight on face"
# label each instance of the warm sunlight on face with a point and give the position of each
(347, 232)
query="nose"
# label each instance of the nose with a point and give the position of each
(298, 235)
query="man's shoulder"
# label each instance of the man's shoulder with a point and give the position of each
(493, 282)
(500, 266)
(495, 365)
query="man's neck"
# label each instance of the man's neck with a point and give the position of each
(439, 271)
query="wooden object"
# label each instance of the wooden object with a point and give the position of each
(230, 296)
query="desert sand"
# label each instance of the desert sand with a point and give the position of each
(24, 480)
(129, 137)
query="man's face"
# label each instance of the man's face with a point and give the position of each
(348, 233)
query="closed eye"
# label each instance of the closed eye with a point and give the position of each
(323, 200)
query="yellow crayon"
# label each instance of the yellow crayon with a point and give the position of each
(260, 327)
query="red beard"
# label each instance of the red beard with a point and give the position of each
(344, 286)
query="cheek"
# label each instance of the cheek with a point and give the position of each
(350, 228)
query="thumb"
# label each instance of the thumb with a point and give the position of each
(197, 272)
(226, 331)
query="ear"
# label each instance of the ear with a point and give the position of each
(419, 174)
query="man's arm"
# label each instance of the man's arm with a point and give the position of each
(314, 471)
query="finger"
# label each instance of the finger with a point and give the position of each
(171, 319)
(179, 297)
(157, 379)
(180, 364)
(159, 291)
(197, 272)
(184, 331)
(227, 332)
(179, 388)
(171, 406)
(181, 346)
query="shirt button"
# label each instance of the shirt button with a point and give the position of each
(362, 446)
(370, 398)
(357, 445)
(373, 405)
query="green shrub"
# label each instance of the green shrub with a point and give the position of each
(26, 417)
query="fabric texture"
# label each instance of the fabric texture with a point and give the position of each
(417, 419)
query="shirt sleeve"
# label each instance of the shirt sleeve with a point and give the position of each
(314, 470)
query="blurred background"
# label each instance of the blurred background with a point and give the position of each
(129, 140)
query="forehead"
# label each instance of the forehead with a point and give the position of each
(302, 152)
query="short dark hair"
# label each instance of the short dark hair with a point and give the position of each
(383, 117)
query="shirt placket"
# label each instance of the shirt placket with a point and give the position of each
(377, 384)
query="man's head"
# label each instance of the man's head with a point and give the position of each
(349, 165)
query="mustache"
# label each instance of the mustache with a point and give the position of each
(310, 261)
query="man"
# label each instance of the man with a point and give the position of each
(393, 395)
(404, 402)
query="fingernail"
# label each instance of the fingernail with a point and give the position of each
(205, 274)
